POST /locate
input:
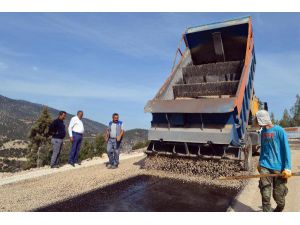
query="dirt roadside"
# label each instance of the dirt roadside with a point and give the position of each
(24, 193)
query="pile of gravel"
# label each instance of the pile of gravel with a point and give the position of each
(202, 171)
(210, 168)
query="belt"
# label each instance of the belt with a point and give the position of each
(76, 133)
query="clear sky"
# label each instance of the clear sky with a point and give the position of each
(114, 62)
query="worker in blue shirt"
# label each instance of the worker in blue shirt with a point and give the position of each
(275, 157)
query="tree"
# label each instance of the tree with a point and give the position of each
(100, 145)
(86, 150)
(39, 147)
(286, 119)
(295, 112)
(92, 149)
(140, 145)
(65, 153)
(273, 118)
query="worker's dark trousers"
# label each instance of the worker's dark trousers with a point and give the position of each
(278, 185)
(113, 151)
(77, 139)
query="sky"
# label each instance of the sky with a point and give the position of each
(103, 63)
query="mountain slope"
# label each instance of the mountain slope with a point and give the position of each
(133, 137)
(17, 116)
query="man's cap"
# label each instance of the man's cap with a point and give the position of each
(263, 118)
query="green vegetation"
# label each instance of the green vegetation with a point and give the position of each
(286, 120)
(95, 148)
(273, 118)
(290, 119)
(18, 116)
(14, 152)
(140, 145)
(28, 121)
(11, 165)
(295, 112)
(89, 149)
(39, 147)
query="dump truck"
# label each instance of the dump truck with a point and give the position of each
(206, 107)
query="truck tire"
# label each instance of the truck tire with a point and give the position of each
(247, 152)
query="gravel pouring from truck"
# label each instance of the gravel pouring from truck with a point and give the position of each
(207, 105)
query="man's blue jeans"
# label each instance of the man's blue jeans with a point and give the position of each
(113, 151)
(77, 139)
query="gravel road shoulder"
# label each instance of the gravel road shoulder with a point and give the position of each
(29, 191)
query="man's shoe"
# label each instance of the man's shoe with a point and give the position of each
(109, 166)
(54, 166)
(78, 164)
(114, 167)
(72, 164)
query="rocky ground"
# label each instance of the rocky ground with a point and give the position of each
(49, 186)
(14, 144)
(204, 171)
(26, 191)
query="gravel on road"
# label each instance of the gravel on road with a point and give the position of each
(37, 192)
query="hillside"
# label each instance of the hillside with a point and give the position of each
(17, 116)
(133, 137)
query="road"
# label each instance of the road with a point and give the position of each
(93, 187)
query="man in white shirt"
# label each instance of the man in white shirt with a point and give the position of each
(76, 131)
(114, 135)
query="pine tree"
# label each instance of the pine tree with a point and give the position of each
(286, 119)
(39, 148)
(273, 118)
(295, 112)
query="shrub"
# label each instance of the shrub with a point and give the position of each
(140, 145)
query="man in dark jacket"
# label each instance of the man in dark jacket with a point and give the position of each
(58, 131)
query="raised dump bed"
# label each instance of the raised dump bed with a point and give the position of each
(213, 72)
(205, 89)
(208, 101)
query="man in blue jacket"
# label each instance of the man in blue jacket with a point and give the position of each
(275, 157)
(114, 135)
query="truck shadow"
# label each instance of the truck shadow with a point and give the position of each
(145, 193)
